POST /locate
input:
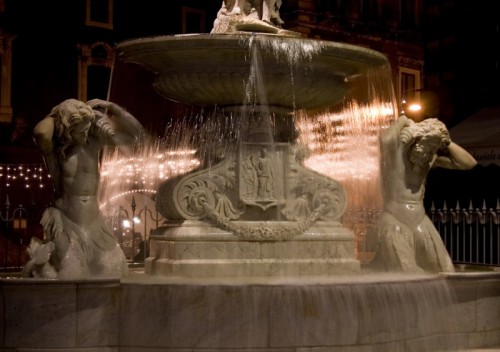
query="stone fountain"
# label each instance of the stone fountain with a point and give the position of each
(253, 255)
(256, 210)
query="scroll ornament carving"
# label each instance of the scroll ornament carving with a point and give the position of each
(215, 188)
(264, 232)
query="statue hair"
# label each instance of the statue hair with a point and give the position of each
(428, 129)
(67, 115)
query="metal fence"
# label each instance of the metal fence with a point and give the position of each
(132, 226)
(472, 234)
(16, 230)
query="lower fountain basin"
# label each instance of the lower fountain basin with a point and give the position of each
(345, 313)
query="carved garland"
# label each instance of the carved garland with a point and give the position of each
(283, 232)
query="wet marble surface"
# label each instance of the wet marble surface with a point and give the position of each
(144, 313)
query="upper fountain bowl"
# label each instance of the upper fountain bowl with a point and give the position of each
(213, 69)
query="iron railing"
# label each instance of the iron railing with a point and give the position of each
(15, 230)
(132, 227)
(472, 234)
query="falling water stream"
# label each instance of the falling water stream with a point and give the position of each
(384, 312)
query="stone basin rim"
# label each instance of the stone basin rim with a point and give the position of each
(364, 277)
(359, 279)
(211, 69)
(329, 47)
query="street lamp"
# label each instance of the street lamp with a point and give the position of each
(412, 109)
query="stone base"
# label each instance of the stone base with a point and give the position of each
(344, 314)
(195, 248)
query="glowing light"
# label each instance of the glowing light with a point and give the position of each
(22, 175)
(415, 107)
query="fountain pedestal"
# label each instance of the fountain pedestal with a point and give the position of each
(197, 248)
(280, 219)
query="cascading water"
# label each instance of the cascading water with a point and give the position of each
(344, 141)
(360, 313)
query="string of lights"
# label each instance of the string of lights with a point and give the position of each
(24, 175)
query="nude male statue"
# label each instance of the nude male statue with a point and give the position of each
(249, 15)
(269, 8)
(270, 12)
(407, 239)
(71, 138)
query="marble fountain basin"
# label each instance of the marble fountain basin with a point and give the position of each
(344, 313)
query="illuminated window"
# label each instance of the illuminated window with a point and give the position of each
(193, 20)
(99, 13)
(409, 83)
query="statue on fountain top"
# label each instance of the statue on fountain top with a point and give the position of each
(70, 139)
(256, 16)
(407, 238)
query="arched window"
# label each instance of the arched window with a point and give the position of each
(94, 70)
(409, 83)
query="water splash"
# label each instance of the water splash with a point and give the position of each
(344, 140)
(283, 49)
(146, 167)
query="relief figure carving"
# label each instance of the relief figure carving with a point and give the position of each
(265, 176)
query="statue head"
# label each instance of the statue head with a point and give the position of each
(72, 121)
(423, 140)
